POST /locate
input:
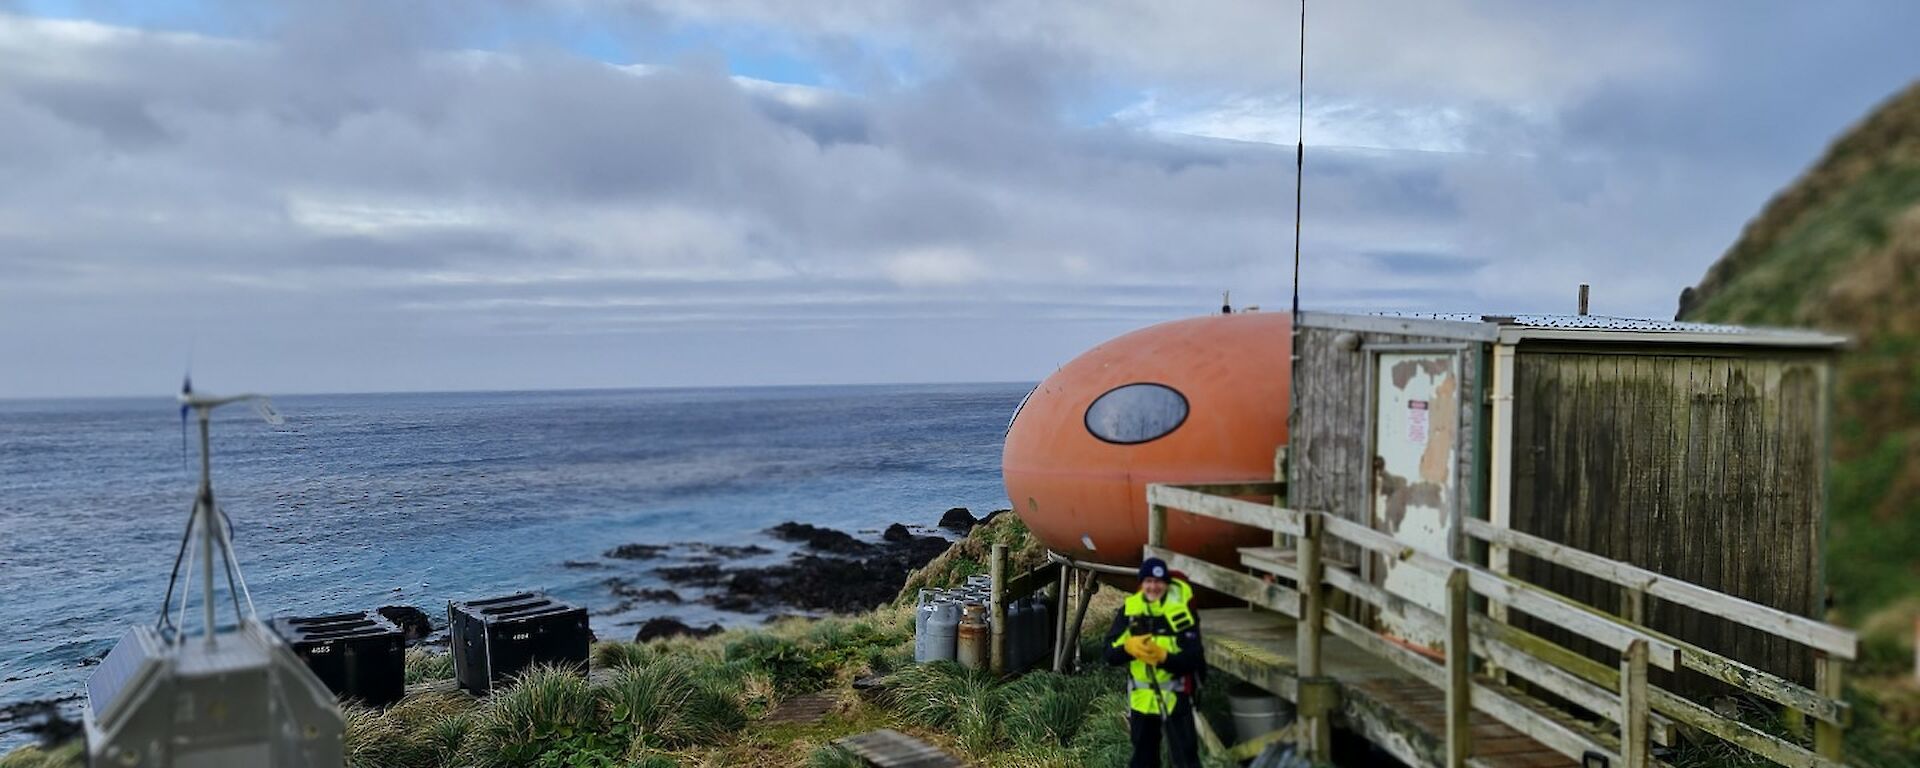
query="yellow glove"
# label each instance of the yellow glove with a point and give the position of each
(1141, 647)
(1156, 654)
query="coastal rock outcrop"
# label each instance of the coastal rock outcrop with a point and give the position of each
(667, 626)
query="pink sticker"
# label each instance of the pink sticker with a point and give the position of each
(1417, 421)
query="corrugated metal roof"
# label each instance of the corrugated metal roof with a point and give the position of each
(1629, 325)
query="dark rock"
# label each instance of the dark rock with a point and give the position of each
(958, 519)
(42, 718)
(734, 551)
(667, 626)
(414, 624)
(896, 534)
(622, 588)
(636, 551)
(583, 564)
(991, 515)
(823, 539)
(703, 575)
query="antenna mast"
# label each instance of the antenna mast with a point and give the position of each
(1299, 161)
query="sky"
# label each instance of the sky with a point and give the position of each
(354, 196)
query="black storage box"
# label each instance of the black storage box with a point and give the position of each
(360, 656)
(497, 638)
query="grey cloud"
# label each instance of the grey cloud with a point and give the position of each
(346, 189)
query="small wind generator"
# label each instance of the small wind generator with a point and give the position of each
(233, 697)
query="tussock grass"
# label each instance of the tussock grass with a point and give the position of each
(424, 665)
(65, 756)
(831, 756)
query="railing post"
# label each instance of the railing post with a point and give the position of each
(1828, 681)
(1459, 671)
(1633, 605)
(997, 609)
(1156, 525)
(1312, 600)
(1633, 706)
(1316, 722)
(1279, 476)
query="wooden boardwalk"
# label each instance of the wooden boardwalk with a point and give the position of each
(1393, 709)
(888, 748)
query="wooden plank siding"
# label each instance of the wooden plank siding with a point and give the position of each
(1328, 464)
(1700, 465)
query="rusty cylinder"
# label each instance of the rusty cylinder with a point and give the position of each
(975, 642)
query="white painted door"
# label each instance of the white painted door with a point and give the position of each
(1416, 431)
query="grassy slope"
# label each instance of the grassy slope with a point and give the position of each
(1840, 250)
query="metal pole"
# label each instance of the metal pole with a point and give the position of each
(206, 525)
(1060, 620)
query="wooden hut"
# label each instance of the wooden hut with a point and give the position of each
(1691, 450)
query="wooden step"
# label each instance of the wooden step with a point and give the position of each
(888, 748)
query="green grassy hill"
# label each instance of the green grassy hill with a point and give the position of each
(1839, 250)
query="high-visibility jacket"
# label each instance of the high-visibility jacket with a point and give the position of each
(1151, 689)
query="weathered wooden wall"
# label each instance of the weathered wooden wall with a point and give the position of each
(1328, 465)
(1703, 464)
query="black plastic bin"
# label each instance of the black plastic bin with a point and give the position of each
(360, 656)
(497, 638)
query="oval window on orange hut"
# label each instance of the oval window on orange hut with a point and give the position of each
(1136, 413)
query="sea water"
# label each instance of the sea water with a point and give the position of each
(359, 501)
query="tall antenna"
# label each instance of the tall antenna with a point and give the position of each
(1299, 161)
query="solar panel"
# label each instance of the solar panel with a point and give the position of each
(135, 652)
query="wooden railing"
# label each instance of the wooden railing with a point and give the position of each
(1637, 712)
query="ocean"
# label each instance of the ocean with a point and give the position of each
(359, 501)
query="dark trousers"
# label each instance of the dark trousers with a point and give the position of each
(1183, 742)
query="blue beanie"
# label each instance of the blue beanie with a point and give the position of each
(1153, 568)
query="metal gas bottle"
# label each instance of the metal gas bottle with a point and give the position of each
(942, 630)
(1043, 632)
(974, 638)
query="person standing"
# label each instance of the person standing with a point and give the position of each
(1158, 639)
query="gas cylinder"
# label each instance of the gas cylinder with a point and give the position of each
(1041, 645)
(1019, 634)
(974, 638)
(942, 629)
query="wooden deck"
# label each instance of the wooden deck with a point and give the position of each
(1387, 706)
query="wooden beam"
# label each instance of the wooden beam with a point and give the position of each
(1827, 679)
(1255, 488)
(1231, 510)
(1459, 672)
(1208, 739)
(1251, 748)
(1562, 672)
(1518, 595)
(1272, 597)
(1549, 733)
(1735, 732)
(1156, 522)
(1813, 633)
(997, 608)
(1632, 718)
(1312, 599)
(1030, 582)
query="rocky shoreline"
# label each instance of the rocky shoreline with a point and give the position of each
(830, 571)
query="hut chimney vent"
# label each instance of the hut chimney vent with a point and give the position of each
(1583, 298)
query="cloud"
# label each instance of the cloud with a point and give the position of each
(372, 182)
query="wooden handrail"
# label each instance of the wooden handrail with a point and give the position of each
(1516, 595)
(1816, 634)
(1641, 711)
(1266, 516)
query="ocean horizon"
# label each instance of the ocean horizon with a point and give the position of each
(418, 498)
